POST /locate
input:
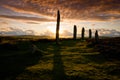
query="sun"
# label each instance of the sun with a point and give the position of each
(53, 29)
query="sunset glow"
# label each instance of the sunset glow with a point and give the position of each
(38, 17)
(53, 29)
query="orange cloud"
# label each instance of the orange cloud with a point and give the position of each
(74, 9)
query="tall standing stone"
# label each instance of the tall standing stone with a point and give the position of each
(57, 27)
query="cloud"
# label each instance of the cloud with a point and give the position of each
(101, 10)
(66, 33)
(48, 33)
(109, 33)
(101, 32)
(26, 18)
(3, 22)
(93, 24)
(32, 22)
(105, 32)
(15, 31)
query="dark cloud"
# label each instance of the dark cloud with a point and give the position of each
(26, 18)
(70, 9)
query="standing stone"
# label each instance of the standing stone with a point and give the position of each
(57, 27)
(75, 32)
(83, 33)
(90, 33)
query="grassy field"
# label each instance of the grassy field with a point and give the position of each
(70, 60)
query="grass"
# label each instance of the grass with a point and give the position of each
(70, 60)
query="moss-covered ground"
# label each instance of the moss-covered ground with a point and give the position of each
(69, 60)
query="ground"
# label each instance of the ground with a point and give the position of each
(68, 60)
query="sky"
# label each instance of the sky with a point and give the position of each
(38, 17)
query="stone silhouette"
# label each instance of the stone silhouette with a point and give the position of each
(96, 36)
(90, 33)
(75, 32)
(57, 27)
(83, 33)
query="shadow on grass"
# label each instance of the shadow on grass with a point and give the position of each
(13, 65)
(96, 58)
(58, 67)
(108, 47)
